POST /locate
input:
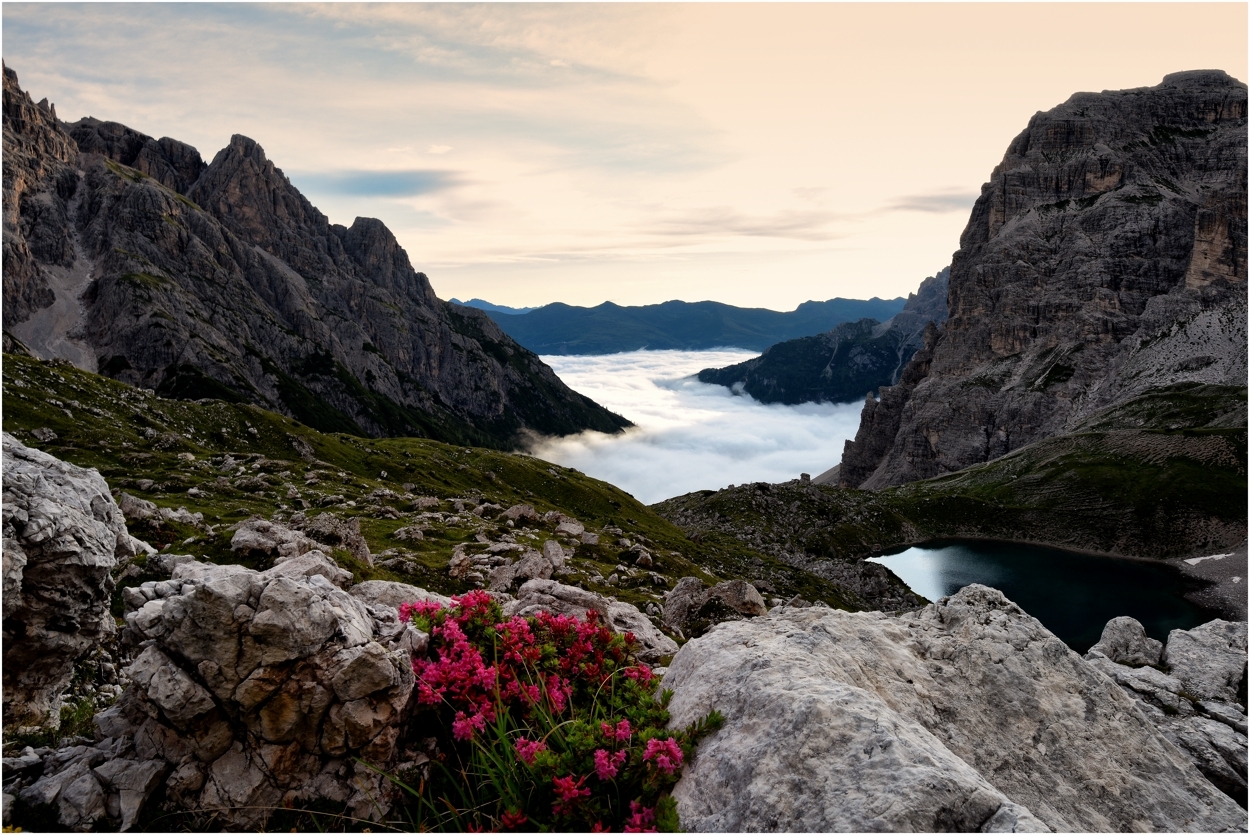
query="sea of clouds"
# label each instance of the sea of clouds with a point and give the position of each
(688, 435)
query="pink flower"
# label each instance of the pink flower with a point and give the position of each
(462, 727)
(527, 749)
(642, 819)
(665, 753)
(512, 818)
(608, 765)
(569, 792)
(640, 674)
(598, 825)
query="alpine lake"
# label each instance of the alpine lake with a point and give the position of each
(1073, 594)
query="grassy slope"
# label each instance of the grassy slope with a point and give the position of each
(1161, 476)
(132, 436)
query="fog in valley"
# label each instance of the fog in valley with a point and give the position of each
(689, 435)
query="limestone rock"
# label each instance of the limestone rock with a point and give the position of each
(337, 533)
(554, 552)
(520, 513)
(1105, 256)
(1124, 641)
(874, 713)
(531, 566)
(550, 596)
(1209, 660)
(252, 689)
(63, 535)
(309, 564)
(392, 594)
(692, 609)
(263, 538)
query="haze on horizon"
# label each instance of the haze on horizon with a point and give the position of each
(755, 154)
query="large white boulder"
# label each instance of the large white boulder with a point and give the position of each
(63, 535)
(966, 714)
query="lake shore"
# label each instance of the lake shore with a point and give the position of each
(1225, 570)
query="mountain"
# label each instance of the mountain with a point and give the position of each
(843, 364)
(675, 325)
(131, 256)
(493, 308)
(1105, 258)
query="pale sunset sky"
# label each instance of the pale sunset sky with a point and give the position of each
(755, 154)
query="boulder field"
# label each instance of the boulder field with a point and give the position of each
(245, 691)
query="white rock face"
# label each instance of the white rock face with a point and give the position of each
(1195, 707)
(390, 593)
(861, 721)
(1210, 660)
(63, 534)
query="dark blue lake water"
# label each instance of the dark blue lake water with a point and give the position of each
(1072, 594)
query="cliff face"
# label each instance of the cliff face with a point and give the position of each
(1105, 257)
(841, 365)
(129, 256)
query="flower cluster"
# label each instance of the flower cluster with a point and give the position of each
(578, 717)
(665, 753)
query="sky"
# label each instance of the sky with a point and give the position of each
(755, 154)
(689, 435)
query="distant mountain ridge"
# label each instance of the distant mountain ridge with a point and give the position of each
(130, 257)
(676, 325)
(482, 304)
(844, 364)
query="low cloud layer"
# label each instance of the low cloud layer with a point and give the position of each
(691, 436)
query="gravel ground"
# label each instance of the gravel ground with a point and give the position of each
(1227, 569)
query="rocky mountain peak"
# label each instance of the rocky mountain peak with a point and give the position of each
(224, 281)
(175, 165)
(254, 199)
(373, 247)
(1203, 78)
(1112, 220)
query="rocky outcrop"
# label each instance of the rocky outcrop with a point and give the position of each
(1210, 660)
(1199, 703)
(252, 690)
(1124, 641)
(691, 608)
(127, 255)
(63, 535)
(965, 715)
(1105, 257)
(840, 366)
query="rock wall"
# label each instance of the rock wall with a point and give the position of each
(63, 535)
(39, 163)
(1114, 222)
(966, 715)
(127, 255)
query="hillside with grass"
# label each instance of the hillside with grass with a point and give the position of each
(1160, 476)
(230, 462)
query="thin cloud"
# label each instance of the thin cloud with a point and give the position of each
(376, 183)
(438, 149)
(691, 436)
(940, 201)
(724, 221)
